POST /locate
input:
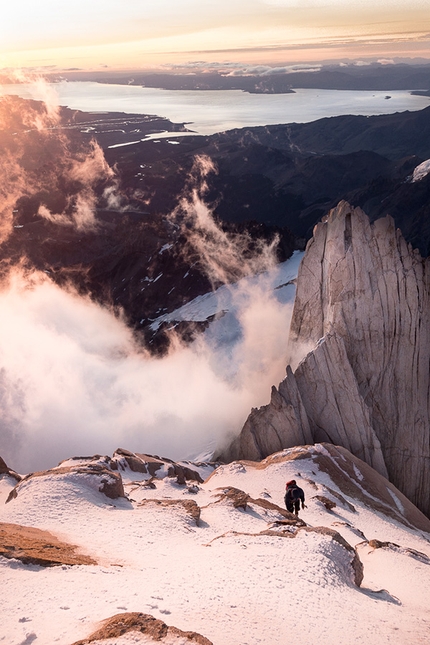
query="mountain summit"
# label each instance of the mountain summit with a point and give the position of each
(361, 322)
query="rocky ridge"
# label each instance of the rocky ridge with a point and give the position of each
(361, 316)
(102, 474)
(236, 543)
(153, 629)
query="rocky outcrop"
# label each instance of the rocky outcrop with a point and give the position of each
(94, 476)
(353, 478)
(361, 321)
(34, 546)
(356, 566)
(239, 499)
(155, 466)
(188, 506)
(155, 630)
(5, 470)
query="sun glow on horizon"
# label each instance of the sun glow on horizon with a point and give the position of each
(140, 35)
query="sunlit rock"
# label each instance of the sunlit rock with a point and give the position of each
(361, 327)
(136, 623)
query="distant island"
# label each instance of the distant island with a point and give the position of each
(372, 77)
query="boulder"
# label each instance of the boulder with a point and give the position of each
(93, 475)
(155, 630)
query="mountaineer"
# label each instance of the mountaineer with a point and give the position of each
(293, 496)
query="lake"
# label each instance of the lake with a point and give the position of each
(210, 111)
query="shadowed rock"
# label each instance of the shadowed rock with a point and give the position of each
(5, 470)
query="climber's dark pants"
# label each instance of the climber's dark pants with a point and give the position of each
(293, 507)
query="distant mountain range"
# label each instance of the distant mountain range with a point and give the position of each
(375, 76)
(291, 175)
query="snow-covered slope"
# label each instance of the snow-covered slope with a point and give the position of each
(232, 566)
(421, 171)
(230, 299)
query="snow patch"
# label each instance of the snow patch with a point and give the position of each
(421, 171)
(396, 500)
(229, 578)
(357, 472)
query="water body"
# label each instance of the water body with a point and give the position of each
(210, 111)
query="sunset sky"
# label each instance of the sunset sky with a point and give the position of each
(92, 34)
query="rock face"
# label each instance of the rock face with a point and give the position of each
(361, 316)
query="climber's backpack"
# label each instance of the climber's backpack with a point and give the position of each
(292, 495)
(295, 493)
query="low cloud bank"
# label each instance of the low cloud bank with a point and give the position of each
(73, 380)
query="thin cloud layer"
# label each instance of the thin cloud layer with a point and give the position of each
(224, 257)
(136, 35)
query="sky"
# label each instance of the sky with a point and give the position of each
(143, 34)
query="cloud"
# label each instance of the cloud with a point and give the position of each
(39, 160)
(224, 257)
(230, 68)
(73, 379)
(85, 170)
